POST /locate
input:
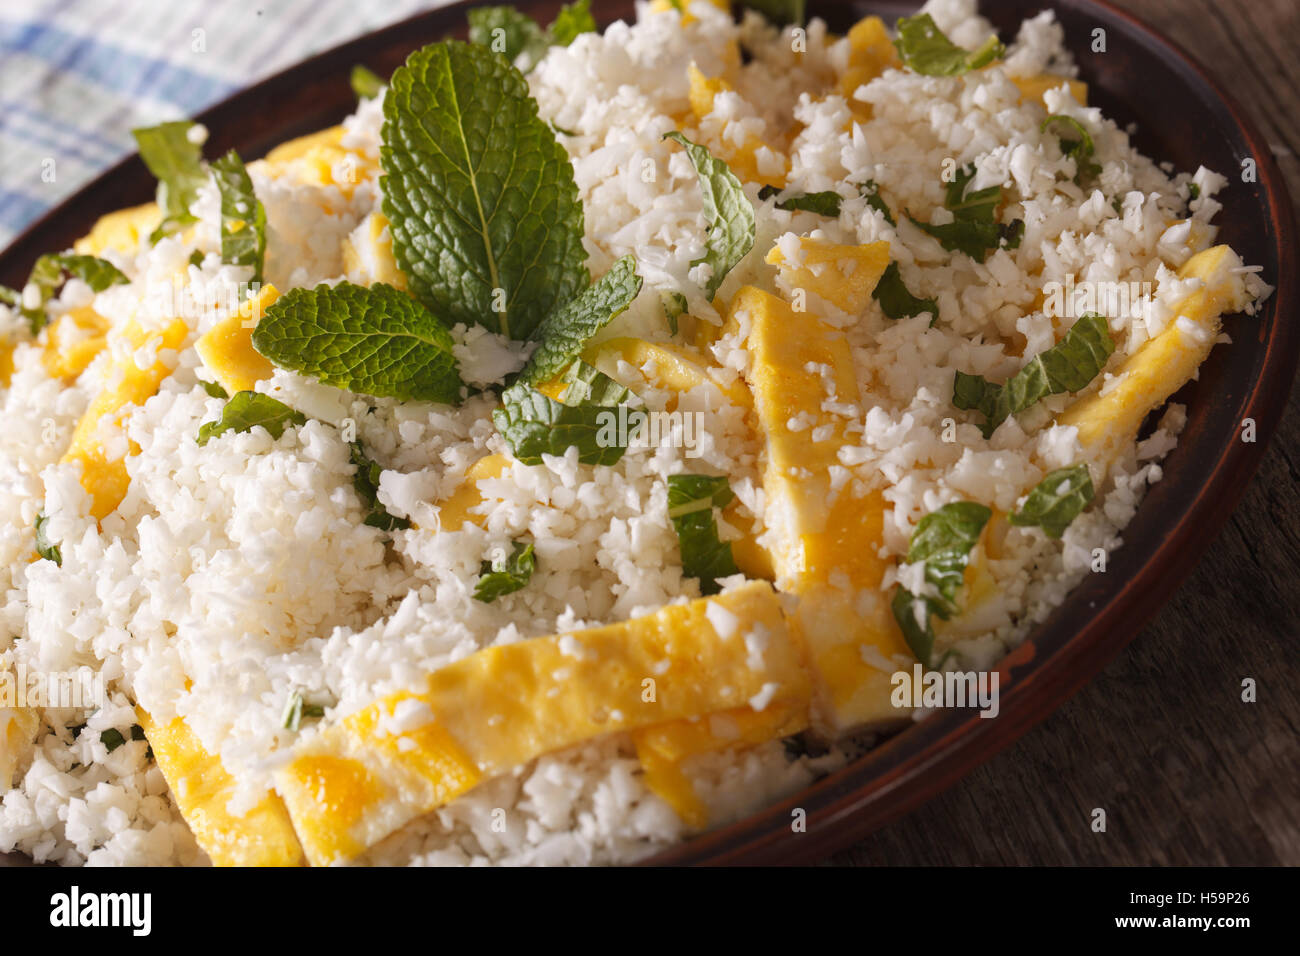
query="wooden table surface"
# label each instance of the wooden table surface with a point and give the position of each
(1186, 771)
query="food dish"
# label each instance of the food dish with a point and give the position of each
(781, 438)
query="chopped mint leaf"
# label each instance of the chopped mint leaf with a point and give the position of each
(1193, 192)
(243, 218)
(586, 385)
(506, 31)
(573, 20)
(942, 540)
(913, 616)
(729, 213)
(366, 483)
(366, 84)
(1056, 500)
(177, 163)
(781, 12)
(675, 306)
(247, 410)
(213, 389)
(1068, 366)
(46, 548)
(505, 574)
(112, 739)
(534, 425)
(691, 500)
(295, 709)
(824, 203)
(895, 299)
(1081, 150)
(973, 206)
(925, 49)
(376, 341)
(47, 276)
(196, 258)
(974, 229)
(484, 211)
(565, 331)
(10, 297)
(871, 192)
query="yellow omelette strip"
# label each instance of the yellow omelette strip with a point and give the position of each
(662, 748)
(663, 6)
(120, 230)
(105, 479)
(73, 341)
(1033, 87)
(742, 159)
(405, 755)
(315, 159)
(827, 549)
(1109, 421)
(202, 788)
(18, 726)
(368, 253)
(227, 348)
(454, 511)
(871, 53)
(843, 275)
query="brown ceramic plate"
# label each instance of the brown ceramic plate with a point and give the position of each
(1184, 117)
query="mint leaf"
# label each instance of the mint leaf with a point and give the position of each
(781, 12)
(213, 389)
(1068, 366)
(47, 276)
(895, 299)
(586, 385)
(925, 49)
(871, 192)
(943, 540)
(376, 340)
(46, 548)
(243, 218)
(506, 31)
(573, 20)
(675, 306)
(366, 84)
(824, 203)
(977, 206)
(913, 616)
(10, 297)
(729, 213)
(484, 211)
(565, 331)
(366, 484)
(250, 409)
(691, 500)
(534, 425)
(1081, 150)
(177, 164)
(505, 574)
(1056, 500)
(975, 229)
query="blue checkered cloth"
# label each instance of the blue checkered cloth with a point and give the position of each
(77, 75)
